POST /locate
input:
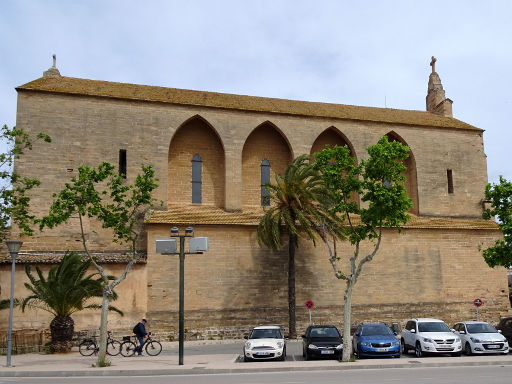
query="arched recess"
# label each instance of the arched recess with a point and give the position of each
(196, 138)
(332, 137)
(266, 142)
(411, 185)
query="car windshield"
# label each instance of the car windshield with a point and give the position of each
(266, 334)
(434, 326)
(481, 328)
(376, 330)
(324, 332)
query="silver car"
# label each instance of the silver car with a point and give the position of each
(479, 337)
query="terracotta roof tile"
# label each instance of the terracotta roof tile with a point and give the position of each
(205, 215)
(75, 86)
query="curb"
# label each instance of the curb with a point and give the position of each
(212, 371)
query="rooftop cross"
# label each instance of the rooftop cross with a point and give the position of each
(433, 64)
(54, 60)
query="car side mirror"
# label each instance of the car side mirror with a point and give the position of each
(462, 332)
(357, 334)
(303, 336)
(287, 337)
(246, 337)
(395, 333)
(499, 331)
(413, 331)
(453, 330)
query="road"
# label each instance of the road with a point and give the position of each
(455, 375)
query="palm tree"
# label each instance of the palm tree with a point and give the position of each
(299, 206)
(64, 291)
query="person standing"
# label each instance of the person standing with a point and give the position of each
(140, 332)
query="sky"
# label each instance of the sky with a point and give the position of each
(371, 53)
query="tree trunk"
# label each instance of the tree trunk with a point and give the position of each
(62, 329)
(347, 312)
(291, 286)
(102, 362)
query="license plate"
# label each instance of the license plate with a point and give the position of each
(327, 352)
(262, 353)
(381, 349)
(493, 346)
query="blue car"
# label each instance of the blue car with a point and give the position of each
(375, 340)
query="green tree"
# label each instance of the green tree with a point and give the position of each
(67, 289)
(500, 196)
(14, 201)
(298, 202)
(103, 194)
(379, 182)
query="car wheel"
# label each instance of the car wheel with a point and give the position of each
(467, 349)
(307, 356)
(417, 351)
(404, 348)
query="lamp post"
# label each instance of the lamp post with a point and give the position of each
(14, 247)
(197, 245)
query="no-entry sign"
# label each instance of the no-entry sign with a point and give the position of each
(478, 302)
(309, 304)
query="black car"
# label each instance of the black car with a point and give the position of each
(505, 326)
(322, 341)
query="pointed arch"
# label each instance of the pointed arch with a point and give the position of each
(196, 139)
(330, 137)
(411, 185)
(265, 142)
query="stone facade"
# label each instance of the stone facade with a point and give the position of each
(433, 268)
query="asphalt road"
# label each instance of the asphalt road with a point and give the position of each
(455, 375)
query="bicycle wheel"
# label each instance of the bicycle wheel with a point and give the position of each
(153, 348)
(127, 348)
(113, 347)
(87, 347)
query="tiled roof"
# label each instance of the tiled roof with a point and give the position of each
(53, 257)
(75, 86)
(206, 215)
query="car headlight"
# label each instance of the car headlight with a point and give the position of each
(427, 340)
(280, 344)
(395, 343)
(247, 345)
(339, 346)
(475, 340)
(457, 339)
(312, 346)
(364, 343)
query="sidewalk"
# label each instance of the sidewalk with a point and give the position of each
(73, 364)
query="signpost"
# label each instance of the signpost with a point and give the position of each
(477, 303)
(309, 305)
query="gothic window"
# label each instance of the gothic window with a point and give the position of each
(197, 167)
(265, 179)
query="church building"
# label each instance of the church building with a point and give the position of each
(212, 153)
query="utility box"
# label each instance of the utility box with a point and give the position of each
(166, 246)
(198, 244)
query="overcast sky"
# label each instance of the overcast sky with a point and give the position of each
(371, 53)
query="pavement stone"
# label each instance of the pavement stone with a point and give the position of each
(73, 364)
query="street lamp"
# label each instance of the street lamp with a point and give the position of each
(197, 245)
(14, 247)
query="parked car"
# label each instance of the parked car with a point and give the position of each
(265, 343)
(480, 337)
(322, 341)
(430, 336)
(505, 326)
(375, 340)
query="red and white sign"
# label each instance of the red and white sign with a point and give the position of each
(309, 304)
(478, 302)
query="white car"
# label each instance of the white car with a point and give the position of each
(481, 337)
(430, 336)
(265, 343)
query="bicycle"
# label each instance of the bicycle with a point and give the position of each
(152, 347)
(88, 346)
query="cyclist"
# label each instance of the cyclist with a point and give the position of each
(140, 332)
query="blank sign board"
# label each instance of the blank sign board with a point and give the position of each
(166, 246)
(198, 244)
